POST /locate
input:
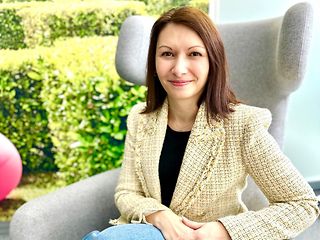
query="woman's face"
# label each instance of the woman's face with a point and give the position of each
(182, 62)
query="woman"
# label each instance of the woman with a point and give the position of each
(190, 148)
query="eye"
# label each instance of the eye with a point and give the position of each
(195, 54)
(167, 54)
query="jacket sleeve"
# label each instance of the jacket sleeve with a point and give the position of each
(292, 202)
(130, 198)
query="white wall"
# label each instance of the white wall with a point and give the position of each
(302, 133)
(250, 10)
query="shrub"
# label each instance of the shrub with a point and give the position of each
(87, 104)
(12, 1)
(11, 31)
(23, 118)
(157, 7)
(201, 4)
(68, 104)
(43, 22)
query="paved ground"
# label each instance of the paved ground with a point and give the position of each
(4, 231)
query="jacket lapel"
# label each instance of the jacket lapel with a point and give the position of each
(203, 147)
(150, 138)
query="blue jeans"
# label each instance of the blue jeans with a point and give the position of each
(127, 232)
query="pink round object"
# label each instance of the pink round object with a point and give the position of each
(10, 167)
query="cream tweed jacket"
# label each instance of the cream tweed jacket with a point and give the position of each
(218, 158)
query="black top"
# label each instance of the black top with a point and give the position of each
(173, 149)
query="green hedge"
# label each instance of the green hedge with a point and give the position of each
(23, 118)
(11, 1)
(87, 104)
(85, 101)
(40, 23)
(11, 35)
(156, 7)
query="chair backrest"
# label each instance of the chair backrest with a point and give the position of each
(267, 59)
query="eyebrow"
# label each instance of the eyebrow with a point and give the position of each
(196, 46)
(164, 46)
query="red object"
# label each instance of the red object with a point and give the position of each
(10, 167)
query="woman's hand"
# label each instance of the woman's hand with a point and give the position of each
(209, 230)
(171, 225)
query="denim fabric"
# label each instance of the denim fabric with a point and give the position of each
(126, 232)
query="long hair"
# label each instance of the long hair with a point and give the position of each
(217, 94)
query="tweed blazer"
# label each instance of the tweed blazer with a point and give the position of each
(218, 158)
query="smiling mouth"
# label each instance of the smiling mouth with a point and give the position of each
(180, 83)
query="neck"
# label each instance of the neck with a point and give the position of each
(182, 115)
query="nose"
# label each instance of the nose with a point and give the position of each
(180, 67)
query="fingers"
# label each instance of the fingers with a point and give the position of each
(191, 224)
(171, 225)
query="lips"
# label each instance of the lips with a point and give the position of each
(180, 83)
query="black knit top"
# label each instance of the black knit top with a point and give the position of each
(170, 162)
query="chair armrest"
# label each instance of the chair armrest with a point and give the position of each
(68, 213)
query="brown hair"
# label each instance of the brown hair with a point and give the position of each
(217, 94)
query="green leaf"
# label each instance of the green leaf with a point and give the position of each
(118, 136)
(34, 75)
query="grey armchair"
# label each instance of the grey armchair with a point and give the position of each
(267, 62)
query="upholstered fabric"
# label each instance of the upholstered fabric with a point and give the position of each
(132, 48)
(213, 174)
(69, 213)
